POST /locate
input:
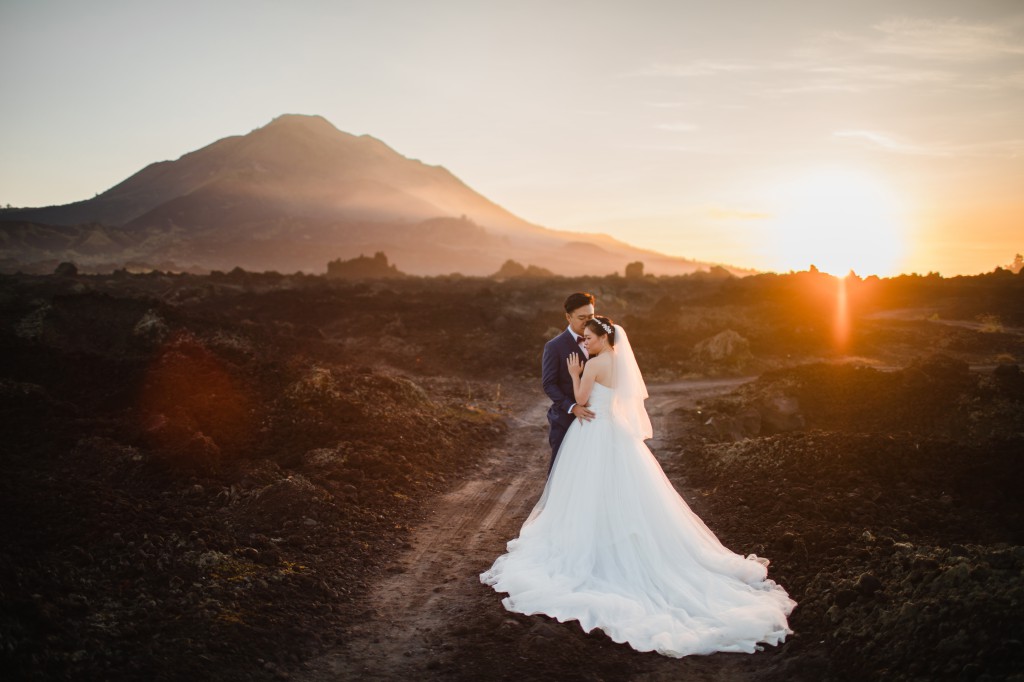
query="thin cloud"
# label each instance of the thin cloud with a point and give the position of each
(1002, 82)
(944, 40)
(889, 143)
(860, 78)
(998, 148)
(669, 105)
(883, 74)
(821, 74)
(697, 68)
(895, 53)
(800, 76)
(678, 127)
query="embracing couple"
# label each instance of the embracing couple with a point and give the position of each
(610, 543)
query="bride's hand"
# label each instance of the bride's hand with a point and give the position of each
(575, 366)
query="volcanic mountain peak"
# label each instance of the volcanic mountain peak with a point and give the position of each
(294, 148)
(301, 187)
(293, 134)
(306, 128)
(308, 121)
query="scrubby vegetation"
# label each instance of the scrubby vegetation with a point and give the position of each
(205, 472)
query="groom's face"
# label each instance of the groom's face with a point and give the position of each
(579, 317)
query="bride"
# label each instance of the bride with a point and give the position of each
(612, 545)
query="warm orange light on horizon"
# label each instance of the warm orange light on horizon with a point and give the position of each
(839, 220)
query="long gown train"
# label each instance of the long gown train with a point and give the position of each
(612, 545)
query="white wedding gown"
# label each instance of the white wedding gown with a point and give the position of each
(612, 545)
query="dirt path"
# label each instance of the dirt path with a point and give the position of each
(418, 618)
(930, 315)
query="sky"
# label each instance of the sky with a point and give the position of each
(882, 137)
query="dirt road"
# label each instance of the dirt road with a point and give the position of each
(931, 316)
(432, 619)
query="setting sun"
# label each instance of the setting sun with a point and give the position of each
(839, 220)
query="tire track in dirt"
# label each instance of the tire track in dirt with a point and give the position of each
(416, 617)
(408, 611)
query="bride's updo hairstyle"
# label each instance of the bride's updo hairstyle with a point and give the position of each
(602, 326)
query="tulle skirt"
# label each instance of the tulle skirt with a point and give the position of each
(612, 545)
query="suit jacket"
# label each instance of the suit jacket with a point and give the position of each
(555, 376)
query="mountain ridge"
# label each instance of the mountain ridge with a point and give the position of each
(295, 193)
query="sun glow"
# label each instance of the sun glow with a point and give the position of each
(839, 221)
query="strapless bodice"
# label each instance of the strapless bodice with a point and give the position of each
(601, 400)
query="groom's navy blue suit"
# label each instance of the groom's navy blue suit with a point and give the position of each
(557, 384)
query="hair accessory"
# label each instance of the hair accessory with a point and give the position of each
(607, 328)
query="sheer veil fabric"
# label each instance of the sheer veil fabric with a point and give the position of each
(630, 389)
(612, 545)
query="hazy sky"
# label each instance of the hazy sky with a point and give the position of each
(883, 136)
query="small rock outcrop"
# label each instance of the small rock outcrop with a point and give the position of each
(363, 267)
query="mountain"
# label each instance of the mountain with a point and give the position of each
(293, 195)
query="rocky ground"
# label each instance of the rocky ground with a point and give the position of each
(213, 476)
(894, 521)
(184, 493)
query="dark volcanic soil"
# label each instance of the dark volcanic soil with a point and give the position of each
(268, 477)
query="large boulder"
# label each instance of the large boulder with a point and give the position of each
(726, 348)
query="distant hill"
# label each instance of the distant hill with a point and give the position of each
(293, 195)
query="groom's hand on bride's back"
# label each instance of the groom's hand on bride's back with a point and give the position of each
(582, 413)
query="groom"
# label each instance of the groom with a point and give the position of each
(557, 382)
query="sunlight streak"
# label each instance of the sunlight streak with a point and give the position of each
(842, 320)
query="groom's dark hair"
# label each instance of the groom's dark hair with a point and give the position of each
(578, 300)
